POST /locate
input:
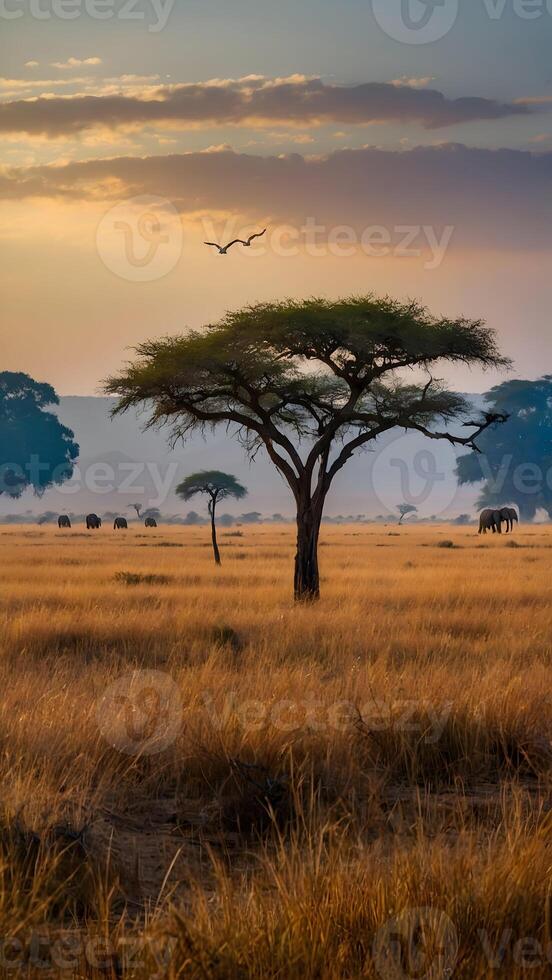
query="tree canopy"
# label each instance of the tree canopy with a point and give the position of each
(36, 450)
(515, 462)
(217, 486)
(312, 381)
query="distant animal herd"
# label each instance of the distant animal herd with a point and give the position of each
(93, 522)
(489, 520)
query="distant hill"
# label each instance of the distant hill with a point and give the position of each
(120, 464)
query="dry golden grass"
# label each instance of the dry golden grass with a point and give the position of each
(401, 731)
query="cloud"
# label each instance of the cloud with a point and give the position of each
(132, 85)
(500, 199)
(17, 86)
(75, 63)
(31, 64)
(535, 100)
(414, 82)
(251, 101)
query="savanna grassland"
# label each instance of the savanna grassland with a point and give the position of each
(323, 770)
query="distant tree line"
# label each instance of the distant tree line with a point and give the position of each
(514, 462)
(36, 450)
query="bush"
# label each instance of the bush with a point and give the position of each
(134, 578)
(225, 636)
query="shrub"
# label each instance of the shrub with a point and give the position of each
(135, 578)
(225, 636)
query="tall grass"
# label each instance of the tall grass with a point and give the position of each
(328, 768)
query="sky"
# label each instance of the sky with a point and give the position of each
(396, 146)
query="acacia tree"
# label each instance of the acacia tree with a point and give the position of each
(217, 486)
(312, 382)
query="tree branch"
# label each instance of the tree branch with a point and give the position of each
(490, 419)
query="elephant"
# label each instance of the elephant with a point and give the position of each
(150, 522)
(93, 522)
(120, 524)
(490, 519)
(63, 521)
(509, 514)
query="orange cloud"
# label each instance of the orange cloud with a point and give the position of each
(499, 199)
(75, 63)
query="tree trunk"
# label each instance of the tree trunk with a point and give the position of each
(307, 579)
(216, 551)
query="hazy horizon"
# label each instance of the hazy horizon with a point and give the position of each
(119, 463)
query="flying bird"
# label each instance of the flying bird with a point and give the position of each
(223, 249)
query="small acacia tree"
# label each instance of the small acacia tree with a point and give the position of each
(406, 509)
(312, 382)
(217, 486)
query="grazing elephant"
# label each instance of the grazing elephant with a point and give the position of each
(509, 514)
(150, 522)
(63, 521)
(490, 519)
(93, 522)
(120, 524)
